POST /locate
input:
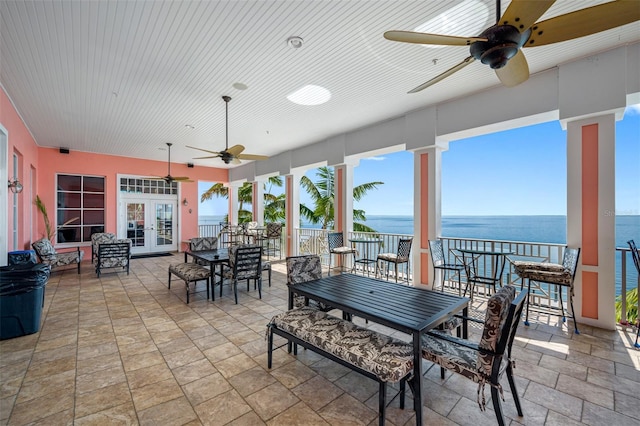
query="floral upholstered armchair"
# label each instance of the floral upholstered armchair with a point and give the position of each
(50, 256)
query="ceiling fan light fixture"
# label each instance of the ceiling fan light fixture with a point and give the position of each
(295, 42)
(310, 95)
(469, 17)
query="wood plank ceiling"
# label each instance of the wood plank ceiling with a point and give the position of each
(124, 77)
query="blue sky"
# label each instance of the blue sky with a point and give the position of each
(515, 172)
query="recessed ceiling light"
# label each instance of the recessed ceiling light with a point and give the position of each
(189, 126)
(295, 42)
(466, 19)
(310, 95)
(240, 86)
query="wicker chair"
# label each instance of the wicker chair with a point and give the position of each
(554, 274)
(50, 256)
(438, 260)
(487, 361)
(337, 247)
(397, 258)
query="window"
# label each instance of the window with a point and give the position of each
(81, 204)
(148, 186)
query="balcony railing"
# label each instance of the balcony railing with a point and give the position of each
(314, 241)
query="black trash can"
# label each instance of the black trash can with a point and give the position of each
(22, 257)
(21, 299)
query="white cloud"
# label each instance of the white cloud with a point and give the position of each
(632, 110)
(375, 158)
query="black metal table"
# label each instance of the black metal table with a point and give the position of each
(401, 307)
(365, 260)
(481, 274)
(215, 258)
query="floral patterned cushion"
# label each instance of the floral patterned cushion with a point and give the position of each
(495, 317)
(49, 256)
(388, 358)
(98, 238)
(44, 248)
(189, 271)
(203, 243)
(301, 269)
(392, 257)
(457, 358)
(544, 272)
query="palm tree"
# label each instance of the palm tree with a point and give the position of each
(323, 194)
(273, 209)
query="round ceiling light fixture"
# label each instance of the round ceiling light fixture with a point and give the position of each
(295, 42)
(310, 95)
(240, 86)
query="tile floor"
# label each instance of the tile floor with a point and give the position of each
(126, 350)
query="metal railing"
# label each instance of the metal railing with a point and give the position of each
(626, 273)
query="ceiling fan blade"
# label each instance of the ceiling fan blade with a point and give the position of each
(181, 178)
(206, 158)
(205, 150)
(236, 160)
(235, 150)
(425, 38)
(584, 22)
(515, 72)
(522, 14)
(444, 75)
(252, 157)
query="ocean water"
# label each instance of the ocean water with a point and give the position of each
(542, 229)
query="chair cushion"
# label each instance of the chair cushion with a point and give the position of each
(67, 258)
(189, 271)
(495, 317)
(457, 358)
(44, 247)
(203, 243)
(343, 250)
(388, 358)
(392, 257)
(543, 272)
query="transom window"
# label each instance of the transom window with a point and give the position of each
(148, 186)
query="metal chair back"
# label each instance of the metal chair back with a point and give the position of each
(437, 252)
(336, 239)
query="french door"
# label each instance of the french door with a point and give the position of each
(150, 224)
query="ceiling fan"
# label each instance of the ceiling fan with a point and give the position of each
(499, 45)
(233, 154)
(168, 178)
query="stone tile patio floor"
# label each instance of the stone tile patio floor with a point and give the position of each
(126, 350)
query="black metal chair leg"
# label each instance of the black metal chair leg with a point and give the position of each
(381, 403)
(526, 318)
(270, 348)
(573, 312)
(497, 405)
(403, 386)
(514, 392)
(564, 317)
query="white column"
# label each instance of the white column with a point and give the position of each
(233, 188)
(257, 201)
(292, 212)
(591, 217)
(427, 209)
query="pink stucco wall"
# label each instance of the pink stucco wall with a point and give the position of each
(47, 162)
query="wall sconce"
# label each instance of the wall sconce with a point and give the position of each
(185, 202)
(15, 186)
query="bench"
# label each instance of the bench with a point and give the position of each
(190, 272)
(375, 355)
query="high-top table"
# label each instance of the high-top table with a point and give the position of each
(408, 309)
(487, 273)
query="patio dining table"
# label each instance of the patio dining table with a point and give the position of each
(214, 258)
(404, 308)
(489, 273)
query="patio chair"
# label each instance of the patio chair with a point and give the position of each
(401, 256)
(553, 274)
(56, 258)
(484, 362)
(274, 234)
(635, 255)
(337, 247)
(113, 255)
(201, 244)
(245, 263)
(98, 238)
(301, 269)
(438, 260)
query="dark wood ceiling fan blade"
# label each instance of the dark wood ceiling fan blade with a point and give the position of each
(235, 150)
(584, 22)
(522, 14)
(515, 72)
(444, 75)
(252, 157)
(181, 178)
(202, 149)
(425, 38)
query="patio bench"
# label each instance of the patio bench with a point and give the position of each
(375, 355)
(190, 272)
